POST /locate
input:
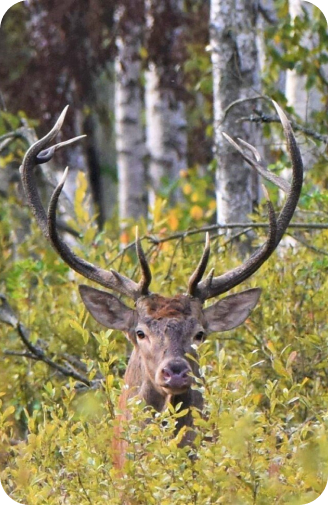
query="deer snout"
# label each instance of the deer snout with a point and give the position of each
(176, 375)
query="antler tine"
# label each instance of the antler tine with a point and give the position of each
(26, 170)
(145, 280)
(255, 163)
(197, 275)
(218, 285)
(213, 286)
(39, 153)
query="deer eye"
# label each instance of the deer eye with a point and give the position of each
(140, 334)
(199, 336)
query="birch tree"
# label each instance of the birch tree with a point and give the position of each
(304, 100)
(130, 147)
(235, 77)
(166, 136)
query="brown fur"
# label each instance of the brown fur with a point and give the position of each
(160, 307)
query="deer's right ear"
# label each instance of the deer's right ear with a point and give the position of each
(107, 309)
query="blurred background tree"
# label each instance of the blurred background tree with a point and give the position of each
(148, 129)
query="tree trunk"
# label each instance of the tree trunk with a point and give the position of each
(166, 134)
(104, 139)
(304, 101)
(235, 76)
(130, 145)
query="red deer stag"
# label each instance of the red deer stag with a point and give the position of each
(162, 329)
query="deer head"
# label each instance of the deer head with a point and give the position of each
(164, 331)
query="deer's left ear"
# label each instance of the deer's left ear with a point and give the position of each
(231, 311)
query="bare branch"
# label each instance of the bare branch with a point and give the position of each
(306, 244)
(240, 101)
(260, 117)
(35, 352)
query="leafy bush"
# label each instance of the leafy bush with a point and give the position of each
(263, 436)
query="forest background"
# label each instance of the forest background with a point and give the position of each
(153, 84)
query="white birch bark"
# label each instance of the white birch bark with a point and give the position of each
(130, 146)
(166, 134)
(235, 76)
(268, 16)
(302, 100)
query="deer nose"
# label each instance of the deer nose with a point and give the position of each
(176, 375)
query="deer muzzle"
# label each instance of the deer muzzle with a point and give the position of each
(175, 376)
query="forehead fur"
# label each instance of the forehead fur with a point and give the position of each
(159, 307)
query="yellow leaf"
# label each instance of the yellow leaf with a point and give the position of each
(196, 212)
(124, 238)
(173, 221)
(194, 197)
(157, 210)
(271, 347)
(212, 205)
(143, 52)
(187, 189)
(82, 331)
(280, 369)
(256, 398)
(9, 410)
(90, 234)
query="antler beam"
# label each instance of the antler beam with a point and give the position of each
(214, 286)
(39, 153)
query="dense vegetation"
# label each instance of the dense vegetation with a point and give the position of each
(263, 436)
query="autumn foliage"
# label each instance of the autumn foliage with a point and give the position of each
(262, 438)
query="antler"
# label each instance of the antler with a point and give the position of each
(39, 153)
(214, 286)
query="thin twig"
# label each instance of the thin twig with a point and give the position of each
(242, 100)
(214, 227)
(83, 488)
(260, 117)
(35, 352)
(309, 246)
(169, 270)
(245, 228)
(41, 356)
(236, 235)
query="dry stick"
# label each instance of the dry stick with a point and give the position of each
(264, 118)
(308, 246)
(40, 355)
(169, 270)
(83, 488)
(242, 100)
(235, 236)
(214, 227)
(246, 227)
(7, 316)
